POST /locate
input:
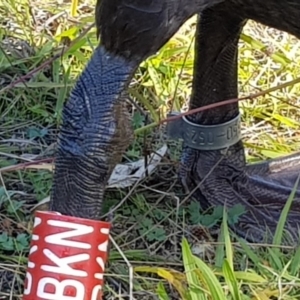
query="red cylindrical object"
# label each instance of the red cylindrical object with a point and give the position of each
(67, 258)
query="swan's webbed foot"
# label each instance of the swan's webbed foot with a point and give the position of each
(223, 178)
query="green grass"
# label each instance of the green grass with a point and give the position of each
(150, 224)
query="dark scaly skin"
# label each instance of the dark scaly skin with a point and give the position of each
(94, 122)
(263, 188)
(132, 30)
(96, 130)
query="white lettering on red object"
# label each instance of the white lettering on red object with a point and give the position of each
(32, 250)
(102, 247)
(37, 221)
(95, 292)
(49, 288)
(28, 286)
(60, 287)
(62, 264)
(78, 230)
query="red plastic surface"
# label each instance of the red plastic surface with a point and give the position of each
(67, 258)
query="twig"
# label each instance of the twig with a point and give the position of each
(218, 104)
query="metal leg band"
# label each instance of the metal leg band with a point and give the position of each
(205, 137)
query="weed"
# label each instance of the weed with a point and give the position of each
(151, 224)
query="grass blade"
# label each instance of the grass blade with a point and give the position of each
(295, 263)
(231, 280)
(189, 267)
(280, 227)
(228, 246)
(213, 283)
